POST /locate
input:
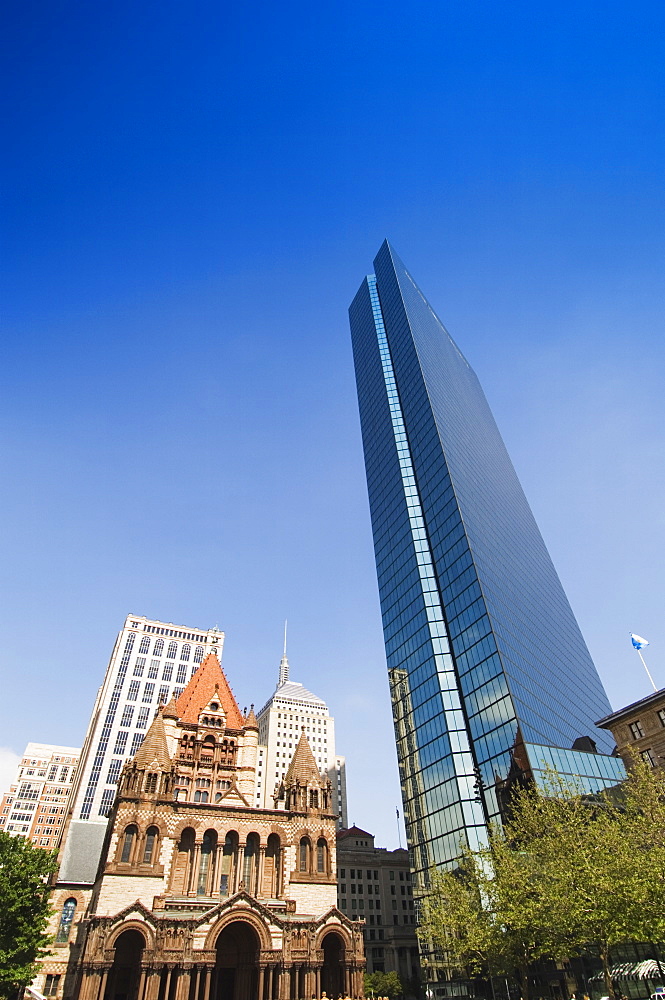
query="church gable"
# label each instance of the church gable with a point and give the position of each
(232, 797)
(208, 680)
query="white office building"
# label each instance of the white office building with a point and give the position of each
(291, 709)
(151, 662)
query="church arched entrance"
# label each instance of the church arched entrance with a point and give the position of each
(125, 973)
(332, 973)
(237, 962)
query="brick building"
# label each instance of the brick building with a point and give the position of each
(375, 884)
(36, 804)
(200, 894)
(640, 729)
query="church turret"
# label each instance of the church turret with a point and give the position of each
(151, 772)
(304, 789)
(248, 756)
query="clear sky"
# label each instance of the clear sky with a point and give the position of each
(193, 194)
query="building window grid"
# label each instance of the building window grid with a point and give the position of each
(459, 739)
(114, 771)
(108, 795)
(98, 761)
(142, 718)
(127, 715)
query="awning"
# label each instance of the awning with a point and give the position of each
(647, 969)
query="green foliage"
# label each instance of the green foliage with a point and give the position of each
(565, 872)
(24, 909)
(383, 984)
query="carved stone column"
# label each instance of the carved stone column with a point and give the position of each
(90, 980)
(240, 864)
(193, 875)
(281, 875)
(182, 990)
(154, 978)
(216, 872)
(102, 984)
(208, 976)
(260, 868)
(284, 991)
(85, 980)
(197, 981)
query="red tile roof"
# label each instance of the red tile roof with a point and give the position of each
(200, 690)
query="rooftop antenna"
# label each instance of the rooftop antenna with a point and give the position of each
(284, 664)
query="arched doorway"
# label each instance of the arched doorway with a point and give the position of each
(236, 967)
(125, 973)
(332, 974)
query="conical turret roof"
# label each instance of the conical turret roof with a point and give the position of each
(154, 748)
(250, 719)
(171, 710)
(200, 690)
(303, 765)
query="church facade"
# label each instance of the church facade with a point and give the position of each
(201, 895)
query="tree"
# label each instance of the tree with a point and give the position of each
(383, 984)
(24, 910)
(566, 871)
(597, 864)
(479, 918)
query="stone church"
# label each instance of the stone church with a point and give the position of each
(201, 895)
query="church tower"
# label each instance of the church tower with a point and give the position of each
(201, 894)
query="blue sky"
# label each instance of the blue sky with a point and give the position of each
(193, 195)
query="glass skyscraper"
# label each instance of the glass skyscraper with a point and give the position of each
(484, 653)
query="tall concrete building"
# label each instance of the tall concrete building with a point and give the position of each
(36, 804)
(293, 709)
(484, 652)
(151, 662)
(375, 885)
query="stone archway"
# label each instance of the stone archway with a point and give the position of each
(237, 963)
(332, 973)
(125, 973)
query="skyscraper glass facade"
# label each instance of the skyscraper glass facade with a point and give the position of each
(483, 649)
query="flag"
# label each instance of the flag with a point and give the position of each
(637, 641)
(397, 811)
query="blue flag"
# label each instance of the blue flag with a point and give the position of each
(637, 641)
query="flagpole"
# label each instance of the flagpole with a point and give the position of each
(399, 829)
(639, 653)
